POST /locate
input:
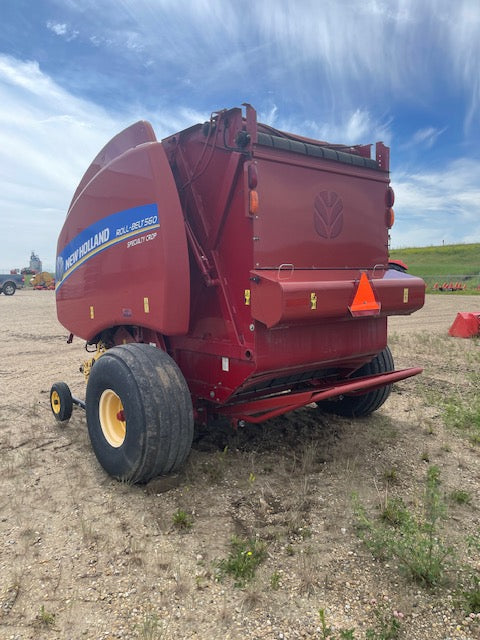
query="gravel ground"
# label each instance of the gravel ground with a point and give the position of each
(83, 556)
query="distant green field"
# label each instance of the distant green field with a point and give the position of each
(457, 264)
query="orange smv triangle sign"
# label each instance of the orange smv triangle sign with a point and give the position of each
(364, 302)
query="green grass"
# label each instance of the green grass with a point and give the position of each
(182, 520)
(448, 263)
(463, 415)
(470, 594)
(412, 539)
(386, 626)
(460, 496)
(242, 561)
(275, 580)
(45, 618)
(445, 260)
(151, 627)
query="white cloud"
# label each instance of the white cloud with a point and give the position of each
(62, 30)
(438, 206)
(47, 140)
(269, 116)
(463, 45)
(59, 29)
(133, 41)
(427, 137)
(355, 127)
(341, 55)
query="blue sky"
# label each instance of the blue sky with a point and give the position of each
(73, 73)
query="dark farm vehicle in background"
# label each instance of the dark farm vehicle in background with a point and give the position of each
(10, 282)
(230, 269)
(398, 265)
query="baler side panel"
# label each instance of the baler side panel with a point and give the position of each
(122, 256)
(136, 134)
(218, 353)
(214, 204)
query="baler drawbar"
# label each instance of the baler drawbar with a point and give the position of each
(229, 269)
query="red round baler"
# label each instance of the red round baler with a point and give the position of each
(229, 269)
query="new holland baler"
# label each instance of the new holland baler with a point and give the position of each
(229, 269)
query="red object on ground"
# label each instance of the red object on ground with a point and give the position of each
(466, 325)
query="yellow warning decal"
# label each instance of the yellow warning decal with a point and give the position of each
(146, 305)
(405, 296)
(92, 313)
(247, 297)
(313, 300)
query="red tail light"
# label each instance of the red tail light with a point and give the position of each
(389, 197)
(389, 217)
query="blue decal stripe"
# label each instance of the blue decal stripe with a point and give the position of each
(94, 252)
(105, 233)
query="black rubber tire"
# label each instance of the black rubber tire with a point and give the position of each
(9, 288)
(157, 408)
(61, 401)
(358, 406)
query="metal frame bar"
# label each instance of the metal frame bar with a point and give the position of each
(264, 409)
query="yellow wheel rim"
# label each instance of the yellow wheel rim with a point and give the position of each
(55, 402)
(112, 419)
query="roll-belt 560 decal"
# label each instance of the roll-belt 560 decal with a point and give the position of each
(115, 228)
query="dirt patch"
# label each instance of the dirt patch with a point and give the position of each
(84, 556)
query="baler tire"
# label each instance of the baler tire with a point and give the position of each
(139, 413)
(359, 406)
(9, 288)
(61, 401)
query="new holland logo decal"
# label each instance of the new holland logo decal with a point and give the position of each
(328, 214)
